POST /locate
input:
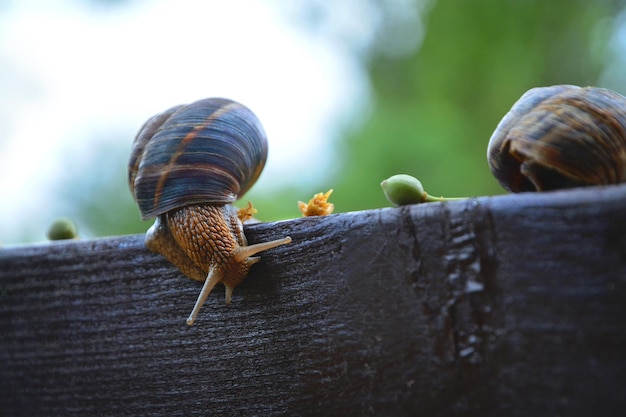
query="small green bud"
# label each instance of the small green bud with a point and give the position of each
(62, 228)
(402, 189)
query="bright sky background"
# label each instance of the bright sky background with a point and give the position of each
(71, 71)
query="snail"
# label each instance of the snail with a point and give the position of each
(187, 165)
(561, 136)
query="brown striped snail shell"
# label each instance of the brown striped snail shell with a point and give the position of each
(561, 136)
(186, 166)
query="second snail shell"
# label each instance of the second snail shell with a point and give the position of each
(561, 136)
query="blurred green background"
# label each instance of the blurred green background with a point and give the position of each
(439, 80)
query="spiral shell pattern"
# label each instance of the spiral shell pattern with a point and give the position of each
(210, 151)
(561, 136)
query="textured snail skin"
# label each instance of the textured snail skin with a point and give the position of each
(561, 136)
(186, 165)
(195, 237)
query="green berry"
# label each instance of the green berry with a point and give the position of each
(62, 228)
(402, 189)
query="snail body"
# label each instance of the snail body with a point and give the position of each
(187, 165)
(561, 136)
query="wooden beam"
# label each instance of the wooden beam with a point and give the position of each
(508, 305)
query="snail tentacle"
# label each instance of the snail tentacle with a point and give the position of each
(214, 278)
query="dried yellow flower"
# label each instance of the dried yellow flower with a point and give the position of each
(318, 205)
(246, 213)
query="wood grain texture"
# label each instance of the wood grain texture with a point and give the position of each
(509, 305)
